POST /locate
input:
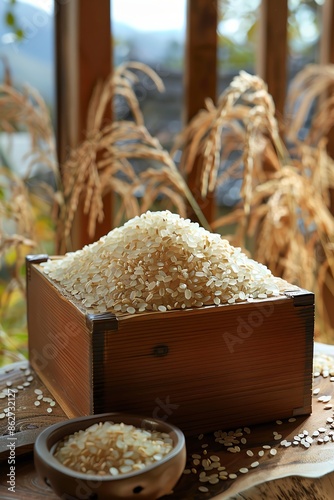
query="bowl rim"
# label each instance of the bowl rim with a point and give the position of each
(45, 454)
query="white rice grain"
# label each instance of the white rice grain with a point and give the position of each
(157, 262)
(105, 448)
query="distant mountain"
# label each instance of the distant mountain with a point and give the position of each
(151, 47)
(32, 60)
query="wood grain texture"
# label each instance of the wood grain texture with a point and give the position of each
(293, 487)
(273, 50)
(327, 57)
(60, 345)
(29, 419)
(282, 476)
(237, 364)
(327, 34)
(200, 79)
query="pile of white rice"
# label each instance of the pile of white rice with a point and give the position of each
(158, 262)
(113, 448)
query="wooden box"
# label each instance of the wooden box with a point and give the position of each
(204, 369)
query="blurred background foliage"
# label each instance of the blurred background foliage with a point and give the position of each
(12, 21)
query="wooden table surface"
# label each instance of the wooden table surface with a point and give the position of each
(290, 472)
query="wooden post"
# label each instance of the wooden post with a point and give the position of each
(273, 50)
(200, 76)
(83, 56)
(327, 57)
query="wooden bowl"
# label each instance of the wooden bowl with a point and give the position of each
(149, 483)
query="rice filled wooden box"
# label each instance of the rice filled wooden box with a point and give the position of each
(203, 369)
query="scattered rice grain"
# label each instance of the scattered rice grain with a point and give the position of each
(203, 489)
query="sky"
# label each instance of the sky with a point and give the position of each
(146, 15)
(46, 5)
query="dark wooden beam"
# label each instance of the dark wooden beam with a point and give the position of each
(327, 33)
(327, 54)
(273, 50)
(201, 55)
(200, 76)
(83, 56)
